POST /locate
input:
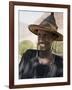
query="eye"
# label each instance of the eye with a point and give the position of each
(36, 30)
(53, 34)
(38, 34)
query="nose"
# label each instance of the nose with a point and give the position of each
(42, 38)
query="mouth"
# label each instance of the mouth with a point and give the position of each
(42, 44)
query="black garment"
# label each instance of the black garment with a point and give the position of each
(30, 67)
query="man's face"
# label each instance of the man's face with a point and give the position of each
(44, 37)
(45, 40)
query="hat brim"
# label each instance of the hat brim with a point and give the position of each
(34, 29)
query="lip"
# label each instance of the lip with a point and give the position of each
(44, 41)
(42, 44)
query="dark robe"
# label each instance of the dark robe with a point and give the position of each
(30, 67)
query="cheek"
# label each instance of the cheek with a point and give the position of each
(48, 38)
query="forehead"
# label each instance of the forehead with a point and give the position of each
(42, 31)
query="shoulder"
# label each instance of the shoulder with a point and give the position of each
(59, 64)
(58, 58)
(58, 61)
(30, 53)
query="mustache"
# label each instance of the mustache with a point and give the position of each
(44, 43)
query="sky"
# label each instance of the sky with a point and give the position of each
(29, 16)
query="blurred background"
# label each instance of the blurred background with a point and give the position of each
(28, 40)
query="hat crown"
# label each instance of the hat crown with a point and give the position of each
(50, 20)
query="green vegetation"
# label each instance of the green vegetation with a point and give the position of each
(57, 47)
(24, 45)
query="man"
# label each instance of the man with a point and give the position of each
(41, 63)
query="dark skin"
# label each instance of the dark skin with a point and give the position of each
(45, 40)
